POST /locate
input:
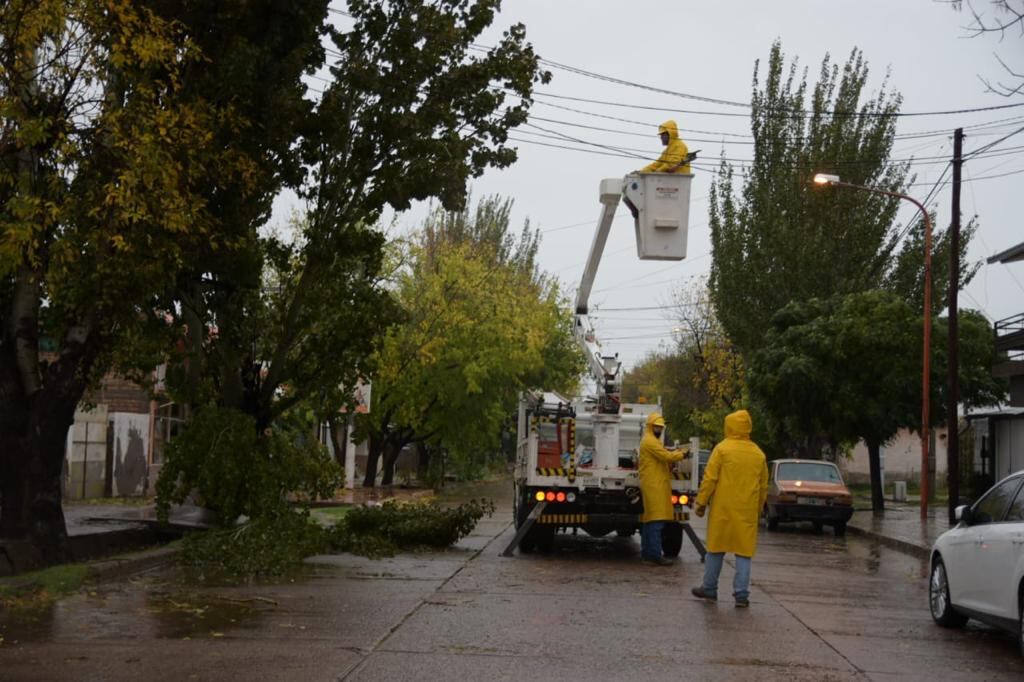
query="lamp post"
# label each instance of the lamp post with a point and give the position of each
(826, 179)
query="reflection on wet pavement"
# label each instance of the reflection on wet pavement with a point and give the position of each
(823, 608)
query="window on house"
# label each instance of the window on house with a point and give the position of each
(170, 420)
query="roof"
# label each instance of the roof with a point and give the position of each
(1014, 253)
(1003, 412)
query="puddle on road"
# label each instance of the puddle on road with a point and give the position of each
(172, 604)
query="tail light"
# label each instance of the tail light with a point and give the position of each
(554, 496)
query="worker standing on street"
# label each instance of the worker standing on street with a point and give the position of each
(735, 486)
(674, 157)
(656, 489)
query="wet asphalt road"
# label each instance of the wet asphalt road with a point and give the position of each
(822, 609)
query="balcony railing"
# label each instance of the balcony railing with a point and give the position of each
(1009, 335)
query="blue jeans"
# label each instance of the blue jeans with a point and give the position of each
(650, 540)
(740, 582)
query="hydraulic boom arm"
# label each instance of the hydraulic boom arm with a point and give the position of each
(604, 369)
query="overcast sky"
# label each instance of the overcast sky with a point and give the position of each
(708, 49)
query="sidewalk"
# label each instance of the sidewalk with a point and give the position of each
(901, 527)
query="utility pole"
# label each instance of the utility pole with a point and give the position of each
(952, 418)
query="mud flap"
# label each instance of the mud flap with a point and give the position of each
(525, 528)
(695, 540)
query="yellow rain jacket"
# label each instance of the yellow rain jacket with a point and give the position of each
(655, 475)
(736, 485)
(673, 155)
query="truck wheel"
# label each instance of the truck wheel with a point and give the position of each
(839, 528)
(671, 539)
(522, 504)
(529, 541)
(625, 532)
(544, 536)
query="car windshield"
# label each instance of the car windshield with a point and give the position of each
(808, 471)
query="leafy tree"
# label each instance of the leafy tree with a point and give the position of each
(407, 115)
(98, 210)
(667, 375)
(849, 368)
(776, 239)
(719, 373)
(699, 381)
(479, 325)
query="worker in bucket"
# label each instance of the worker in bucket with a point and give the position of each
(734, 486)
(676, 156)
(656, 489)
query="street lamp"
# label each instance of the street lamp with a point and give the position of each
(833, 180)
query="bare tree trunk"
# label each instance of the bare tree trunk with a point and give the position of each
(391, 452)
(875, 463)
(423, 461)
(339, 437)
(372, 459)
(33, 432)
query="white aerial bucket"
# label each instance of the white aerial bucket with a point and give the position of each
(660, 203)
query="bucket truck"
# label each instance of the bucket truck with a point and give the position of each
(576, 458)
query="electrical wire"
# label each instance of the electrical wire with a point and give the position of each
(988, 146)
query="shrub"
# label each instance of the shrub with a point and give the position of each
(269, 545)
(273, 544)
(408, 525)
(238, 471)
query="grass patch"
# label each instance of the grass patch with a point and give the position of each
(43, 586)
(330, 515)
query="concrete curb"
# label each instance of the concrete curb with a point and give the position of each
(904, 546)
(106, 570)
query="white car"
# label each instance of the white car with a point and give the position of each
(977, 567)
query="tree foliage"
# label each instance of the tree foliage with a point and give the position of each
(699, 381)
(99, 166)
(407, 115)
(849, 368)
(479, 325)
(777, 239)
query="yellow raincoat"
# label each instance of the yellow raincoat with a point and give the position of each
(673, 155)
(736, 485)
(655, 475)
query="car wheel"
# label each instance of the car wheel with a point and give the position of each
(839, 528)
(941, 607)
(771, 520)
(671, 539)
(817, 526)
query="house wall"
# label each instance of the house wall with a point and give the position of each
(108, 446)
(130, 453)
(901, 458)
(1009, 446)
(85, 462)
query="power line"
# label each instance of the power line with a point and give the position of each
(641, 86)
(988, 146)
(640, 153)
